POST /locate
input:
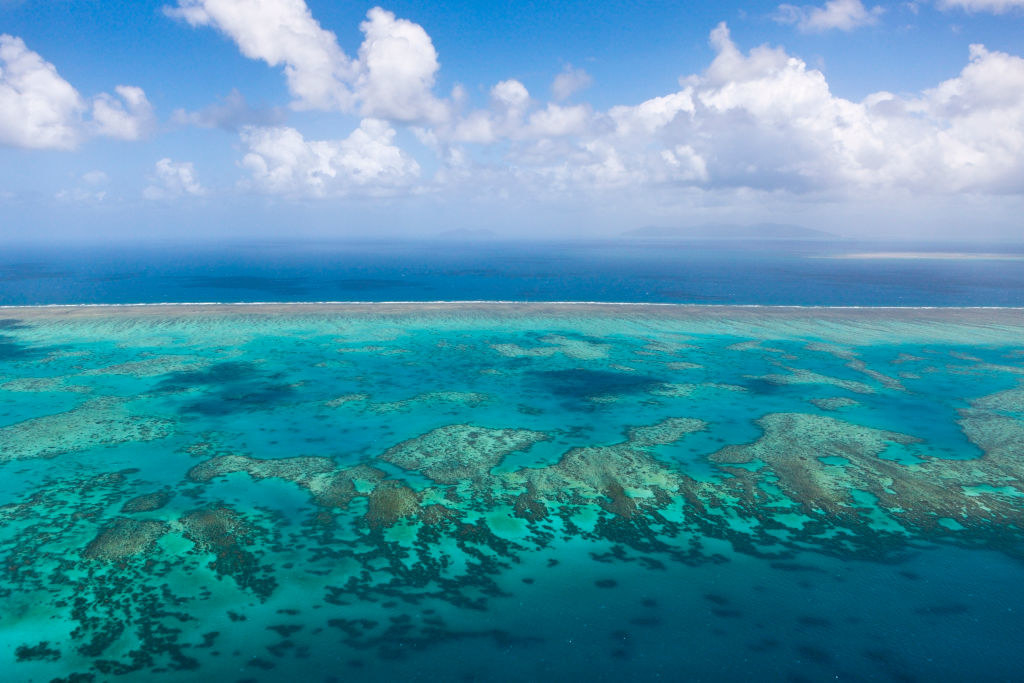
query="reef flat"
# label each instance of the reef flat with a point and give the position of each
(502, 491)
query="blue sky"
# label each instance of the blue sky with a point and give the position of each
(201, 119)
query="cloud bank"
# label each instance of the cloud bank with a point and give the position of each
(759, 121)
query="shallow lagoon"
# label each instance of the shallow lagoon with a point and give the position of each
(496, 492)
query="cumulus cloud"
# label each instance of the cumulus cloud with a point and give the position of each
(38, 108)
(281, 161)
(392, 77)
(281, 32)
(570, 81)
(510, 117)
(765, 121)
(993, 6)
(128, 118)
(232, 112)
(844, 15)
(173, 179)
(397, 66)
(759, 120)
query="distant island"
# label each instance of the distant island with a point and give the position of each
(727, 231)
(944, 255)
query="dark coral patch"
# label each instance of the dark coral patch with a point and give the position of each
(38, 652)
(148, 502)
(124, 538)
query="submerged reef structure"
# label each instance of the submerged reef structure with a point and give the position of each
(102, 420)
(474, 475)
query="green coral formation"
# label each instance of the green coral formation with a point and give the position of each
(390, 502)
(802, 376)
(148, 502)
(124, 538)
(1009, 401)
(346, 398)
(834, 402)
(152, 367)
(432, 398)
(455, 453)
(685, 390)
(792, 449)
(41, 384)
(555, 344)
(328, 484)
(298, 469)
(100, 421)
(225, 534)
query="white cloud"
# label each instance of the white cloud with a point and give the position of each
(511, 96)
(766, 122)
(281, 161)
(128, 118)
(555, 120)
(173, 179)
(392, 78)
(571, 80)
(844, 15)
(281, 32)
(993, 6)
(38, 108)
(510, 118)
(651, 115)
(397, 65)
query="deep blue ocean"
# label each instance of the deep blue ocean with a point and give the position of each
(724, 272)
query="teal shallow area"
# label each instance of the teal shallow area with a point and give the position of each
(510, 492)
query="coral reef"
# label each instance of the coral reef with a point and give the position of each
(152, 367)
(834, 402)
(803, 376)
(594, 449)
(148, 502)
(123, 538)
(389, 502)
(39, 384)
(100, 421)
(449, 455)
(554, 344)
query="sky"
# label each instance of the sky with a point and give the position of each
(216, 119)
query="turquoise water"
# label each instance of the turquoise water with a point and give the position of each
(498, 493)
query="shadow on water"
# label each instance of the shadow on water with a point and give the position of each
(228, 387)
(582, 383)
(215, 375)
(13, 349)
(760, 386)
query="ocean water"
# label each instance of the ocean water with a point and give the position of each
(766, 273)
(489, 492)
